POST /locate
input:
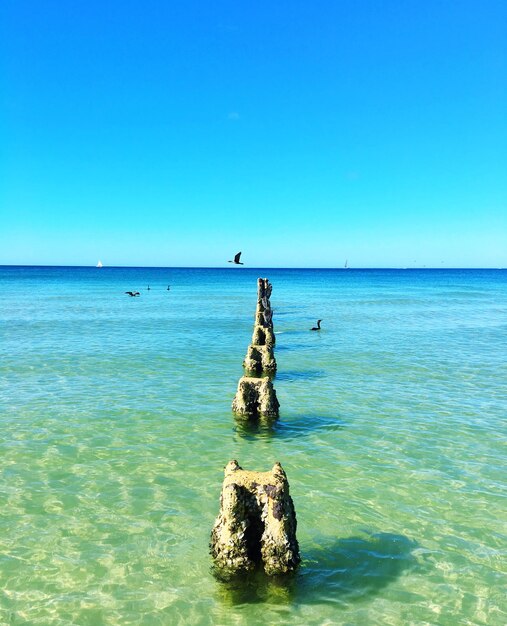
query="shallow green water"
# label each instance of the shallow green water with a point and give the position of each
(115, 425)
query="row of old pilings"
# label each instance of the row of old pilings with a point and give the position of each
(256, 396)
(256, 525)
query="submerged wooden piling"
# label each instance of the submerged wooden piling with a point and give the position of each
(256, 523)
(255, 397)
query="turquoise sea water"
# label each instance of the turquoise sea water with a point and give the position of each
(115, 426)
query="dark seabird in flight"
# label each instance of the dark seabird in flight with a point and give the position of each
(132, 294)
(318, 325)
(236, 259)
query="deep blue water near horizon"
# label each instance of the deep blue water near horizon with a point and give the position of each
(115, 425)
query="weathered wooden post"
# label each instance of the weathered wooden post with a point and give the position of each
(256, 523)
(255, 397)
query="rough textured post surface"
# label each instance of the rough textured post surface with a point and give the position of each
(263, 336)
(263, 312)
(259, 359)
(255, 397)
(256, 523)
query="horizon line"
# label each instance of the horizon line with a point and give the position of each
(212, 267)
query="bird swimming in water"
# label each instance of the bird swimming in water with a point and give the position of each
(149, 288)
(236, 259)
(132, 294)
(318, 325)
(168, 287)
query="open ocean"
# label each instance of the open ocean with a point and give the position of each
(115, 426)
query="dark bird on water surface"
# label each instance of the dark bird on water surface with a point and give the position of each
(318, 325)
(132, 294)
(236, 259)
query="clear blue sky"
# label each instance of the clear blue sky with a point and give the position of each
(302, 133)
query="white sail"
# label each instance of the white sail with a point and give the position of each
(99, 264)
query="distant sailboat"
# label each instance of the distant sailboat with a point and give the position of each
(347, 264)
(99, 264)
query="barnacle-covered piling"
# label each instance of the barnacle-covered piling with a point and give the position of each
(255, 397)
(256, 523)
(259, 359)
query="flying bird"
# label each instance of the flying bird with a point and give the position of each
(236, 259)
(132, 294)
(318, 325)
